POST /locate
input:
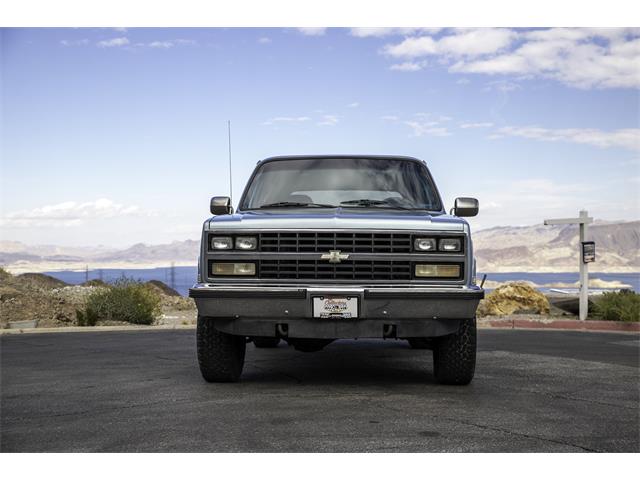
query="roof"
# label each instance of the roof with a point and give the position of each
(346, 155)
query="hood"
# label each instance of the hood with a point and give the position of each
(298, 219)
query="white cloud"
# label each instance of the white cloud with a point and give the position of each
(185, 42)
(423, 124)
(431, 129)
(577, 57)
(71, 213)
(476, 125)
(274, 120)
(328, 121)
(408, 66)
(388, 31)
(264, 40)
(435, 119)
(582, 59)
(490, 205)
(502, 86)
(463, 81)
(494, 136)
(166, 44)
(114, 42)
(462, 43)
(353, 105)
(74, 43)
(536, 198)
(628, 138)
(412, 47)
(157, 44)
(161, 44)
(325, 120)
(312, 31)
(475, 42)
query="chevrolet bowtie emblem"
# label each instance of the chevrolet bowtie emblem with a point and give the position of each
(334, 256)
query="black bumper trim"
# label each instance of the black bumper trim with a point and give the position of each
(337, 328)
(212, 293)
(459, 295)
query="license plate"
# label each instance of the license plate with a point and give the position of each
(335, 307)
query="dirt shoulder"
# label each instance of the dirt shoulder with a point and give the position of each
(513, 322)
(538, 322)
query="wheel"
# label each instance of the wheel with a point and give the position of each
(265, 342)
(220, 355)
(454, 356)
(420, 343)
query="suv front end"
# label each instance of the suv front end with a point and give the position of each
(310, 273)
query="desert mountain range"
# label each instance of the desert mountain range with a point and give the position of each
(540, 248)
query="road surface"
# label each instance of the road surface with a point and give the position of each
(141, 391)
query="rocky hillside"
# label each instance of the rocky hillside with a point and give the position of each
(542, 248)
(43, 301)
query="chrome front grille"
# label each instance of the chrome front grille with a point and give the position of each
(339, 256)
(321, 242)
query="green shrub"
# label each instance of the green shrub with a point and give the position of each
(622, 306)
(86, 318)
(125, 300)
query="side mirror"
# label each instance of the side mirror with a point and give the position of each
(221, 206)
(466, 207)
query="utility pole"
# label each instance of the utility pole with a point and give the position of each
(86, 273)
(173, 275)
(583, 221)
(230, 178)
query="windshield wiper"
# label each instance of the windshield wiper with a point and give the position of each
(367, 202)
(296, 204)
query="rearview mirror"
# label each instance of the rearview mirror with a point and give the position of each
(466, 207)
(221, 206)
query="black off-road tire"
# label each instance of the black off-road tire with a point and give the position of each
(220, 355)
(265, 342)
(454, 356)
(420, 343)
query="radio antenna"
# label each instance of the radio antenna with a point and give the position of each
(230, 177)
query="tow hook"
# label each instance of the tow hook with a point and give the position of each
(389, 331)
(282, 330)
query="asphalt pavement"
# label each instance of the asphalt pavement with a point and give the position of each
(548, 391)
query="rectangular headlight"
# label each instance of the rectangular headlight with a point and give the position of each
(424, 244)
(233, 269)
(437, 271)
(246, 243)
(221, 243)
(450, 245)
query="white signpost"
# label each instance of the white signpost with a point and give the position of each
(583, 220)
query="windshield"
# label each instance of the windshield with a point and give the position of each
(345, 182)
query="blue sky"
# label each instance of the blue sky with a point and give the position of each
(120, 134)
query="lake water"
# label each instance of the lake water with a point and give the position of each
(185, 277)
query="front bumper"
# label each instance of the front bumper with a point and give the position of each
(401, 312)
